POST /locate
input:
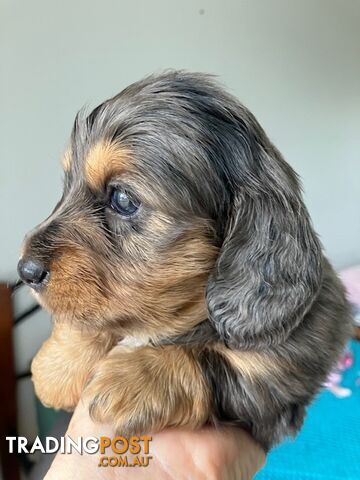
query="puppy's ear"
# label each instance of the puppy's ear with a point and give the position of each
(269, 268)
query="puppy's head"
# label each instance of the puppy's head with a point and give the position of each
(176, 206)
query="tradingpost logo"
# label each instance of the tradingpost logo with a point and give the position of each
(119, 451)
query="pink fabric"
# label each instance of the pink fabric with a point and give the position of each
(351, 279)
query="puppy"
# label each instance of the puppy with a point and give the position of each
(185, 279)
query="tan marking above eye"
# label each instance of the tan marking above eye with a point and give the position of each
(105, 159)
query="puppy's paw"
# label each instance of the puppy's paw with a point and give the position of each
(63, 364)
(145, 389)
(116, 397)
(55, 384)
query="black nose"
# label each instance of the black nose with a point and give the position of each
(32, 272)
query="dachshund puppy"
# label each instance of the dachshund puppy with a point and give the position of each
(185, 279)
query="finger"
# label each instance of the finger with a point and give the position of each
(208, 453)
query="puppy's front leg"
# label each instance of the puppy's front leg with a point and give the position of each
(146, 389)
(63, 364)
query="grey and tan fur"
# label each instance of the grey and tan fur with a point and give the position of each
(237, 316)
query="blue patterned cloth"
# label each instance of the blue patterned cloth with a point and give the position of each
(328, 446)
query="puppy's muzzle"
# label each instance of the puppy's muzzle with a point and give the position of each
(32, 272)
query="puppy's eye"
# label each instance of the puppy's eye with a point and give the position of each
(122, 203)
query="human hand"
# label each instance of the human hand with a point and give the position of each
(177, 454)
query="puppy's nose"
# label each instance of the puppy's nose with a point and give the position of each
(32, 272)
